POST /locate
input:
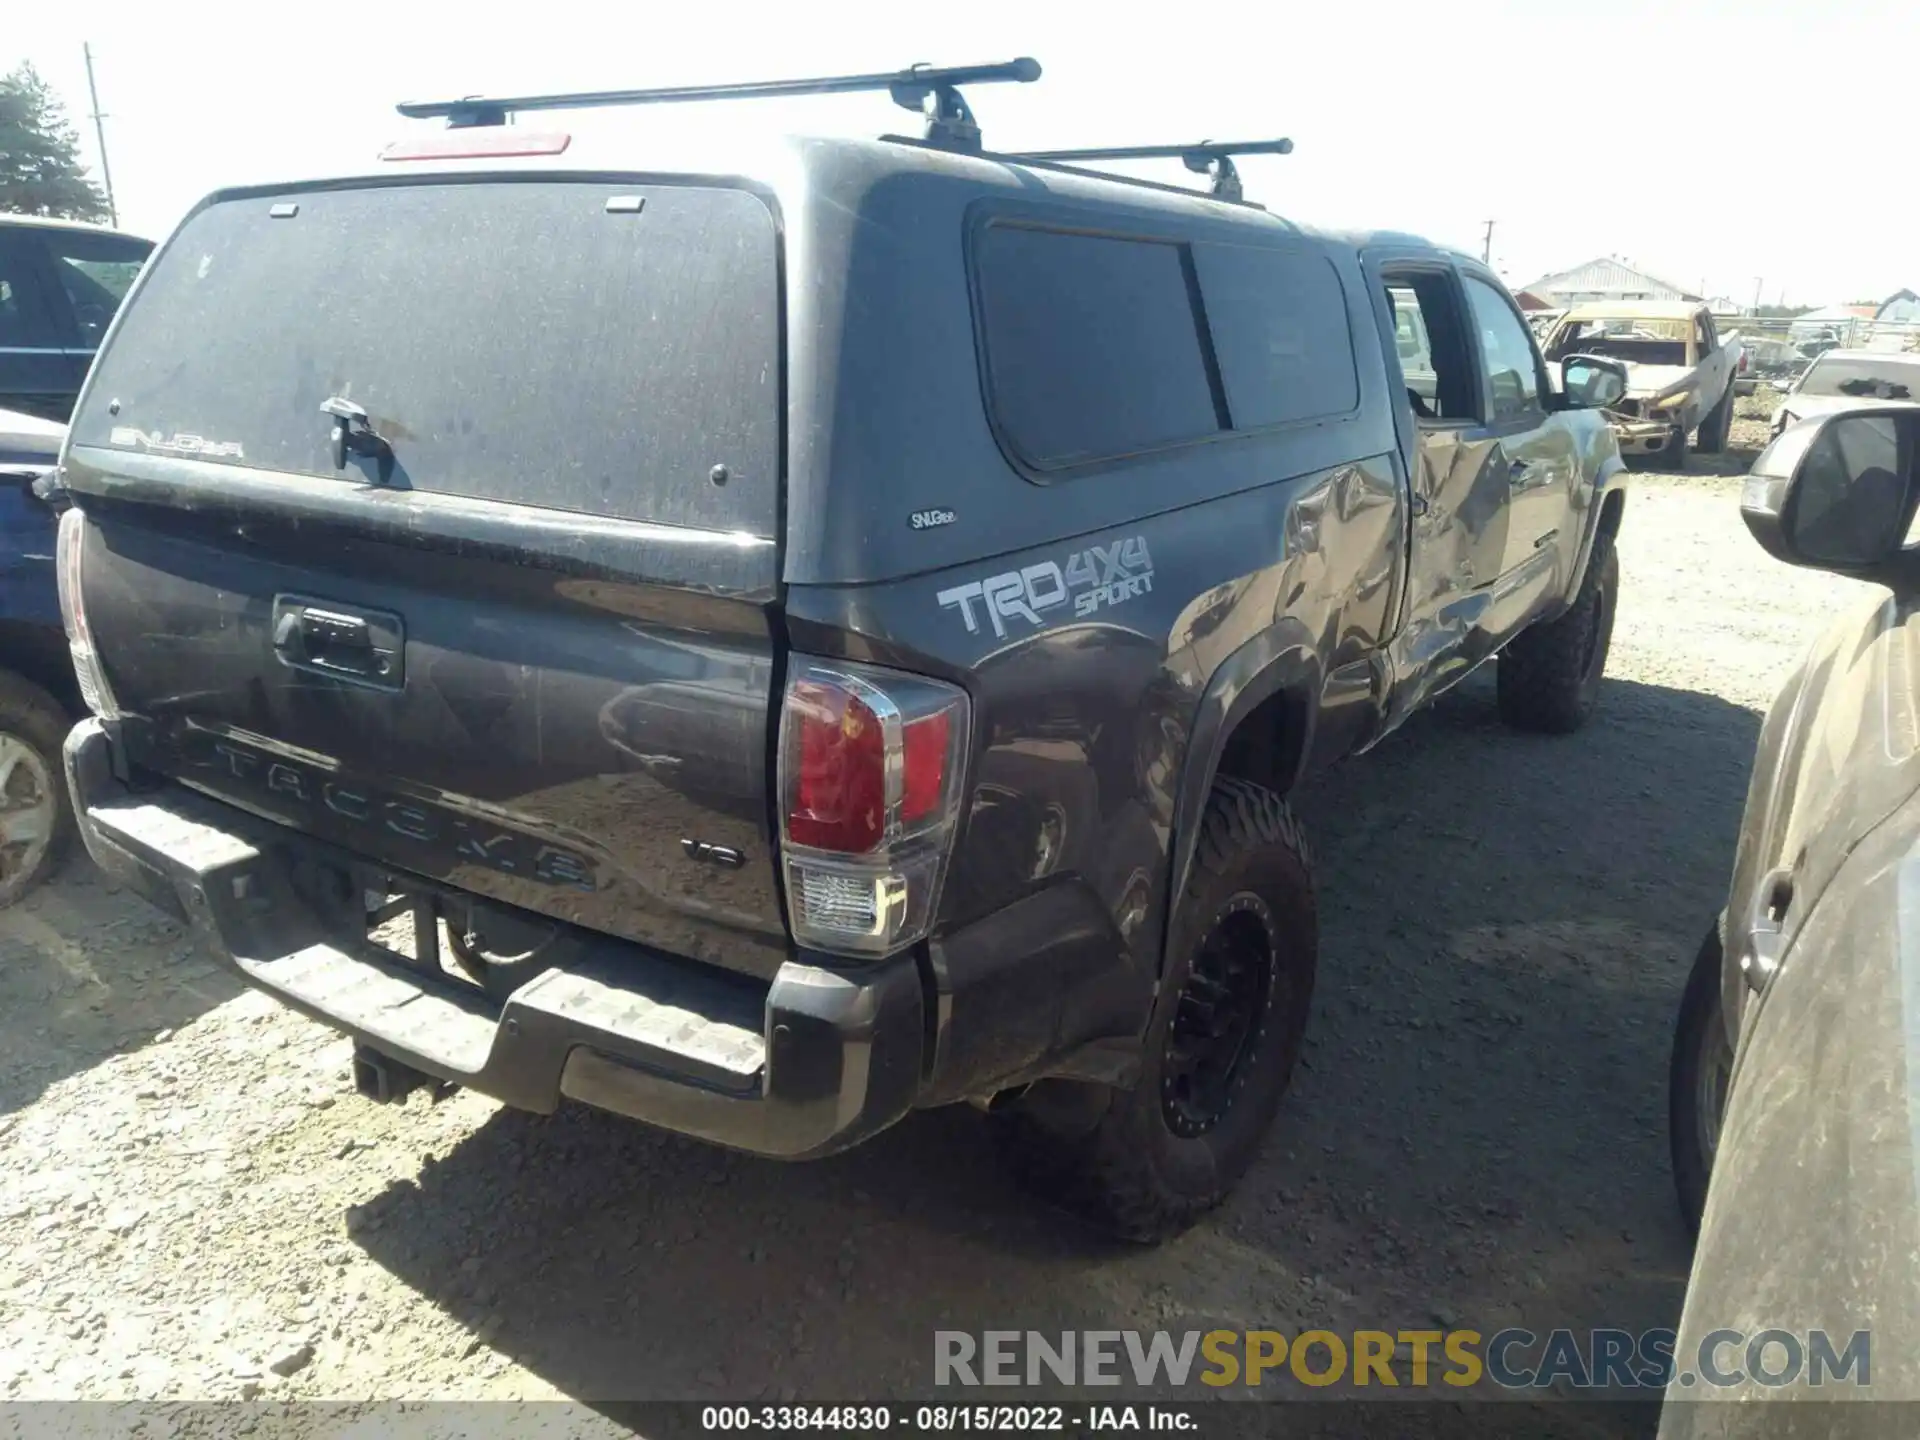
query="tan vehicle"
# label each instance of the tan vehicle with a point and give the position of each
(1680, 372)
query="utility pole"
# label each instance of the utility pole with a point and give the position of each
(1486, 246)
(1758, 281)
(100, 134)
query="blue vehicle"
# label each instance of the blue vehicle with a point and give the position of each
(61, 283)
(38, 694)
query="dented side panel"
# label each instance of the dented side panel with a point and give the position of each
(1088, 662)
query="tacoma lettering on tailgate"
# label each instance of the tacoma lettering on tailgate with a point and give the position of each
(457, 836)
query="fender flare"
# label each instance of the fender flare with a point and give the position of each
(1280, 658)
(1612, 481)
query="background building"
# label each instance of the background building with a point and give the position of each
(1604, 279)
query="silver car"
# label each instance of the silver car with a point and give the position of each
(1847, 380)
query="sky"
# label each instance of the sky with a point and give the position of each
(1734, 147)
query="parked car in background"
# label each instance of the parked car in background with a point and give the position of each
(1680, 372)
(60, 284)
(1796, 1057)
(1770, 360)
(1819, 343)
(38, 694)
(1541, 322)
(1848, 380)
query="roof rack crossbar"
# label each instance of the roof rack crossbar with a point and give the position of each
(1213, 158)
(932, 91)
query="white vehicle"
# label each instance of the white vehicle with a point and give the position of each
(1848, 379)
(1680, 372)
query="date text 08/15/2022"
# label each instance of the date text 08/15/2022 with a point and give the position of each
(947, 1419)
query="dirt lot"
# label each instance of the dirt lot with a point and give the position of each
(193, 1200)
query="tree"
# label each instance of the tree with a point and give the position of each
(40, 168)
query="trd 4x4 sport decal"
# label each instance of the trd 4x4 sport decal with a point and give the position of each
(1099, 576)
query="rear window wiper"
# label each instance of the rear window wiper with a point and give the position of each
(353, 433)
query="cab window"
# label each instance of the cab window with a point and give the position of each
(1430, 338)
(26, 320)
(1506, 355)
(95, 271)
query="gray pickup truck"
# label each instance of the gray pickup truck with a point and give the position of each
(762, 643)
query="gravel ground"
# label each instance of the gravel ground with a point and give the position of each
(195, 1205)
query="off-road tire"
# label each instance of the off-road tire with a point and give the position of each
(1114, 1156)
(1714, 430)
(32, 716)
(1695, 1042)
(1549, 675)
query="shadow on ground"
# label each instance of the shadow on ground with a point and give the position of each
(86, 970)
(1477, 1137)
(1736, 460)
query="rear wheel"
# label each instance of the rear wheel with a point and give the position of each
(1549, 675)
(36, 817)
(1697, 1080)
(1219, 1051)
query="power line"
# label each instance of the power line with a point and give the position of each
(100, 134)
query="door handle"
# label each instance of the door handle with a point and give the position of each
(328, 641)
(1763, 943)
(310, 635)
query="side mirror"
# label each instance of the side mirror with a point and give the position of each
(1837, 492)
(1591, 382)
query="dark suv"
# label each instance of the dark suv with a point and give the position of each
(763, 644)
(60, 283)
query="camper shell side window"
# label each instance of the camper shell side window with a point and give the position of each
(1098, 346)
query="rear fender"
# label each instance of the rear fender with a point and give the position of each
(1282, 659)
(1605, 512)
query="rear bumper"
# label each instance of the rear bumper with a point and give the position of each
(813, 1063)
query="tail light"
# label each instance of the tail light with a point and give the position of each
(870, 774)
(68, 548)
